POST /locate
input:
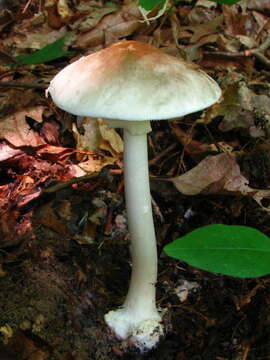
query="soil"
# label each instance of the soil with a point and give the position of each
(56, 286)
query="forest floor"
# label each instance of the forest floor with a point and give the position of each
(64, 257)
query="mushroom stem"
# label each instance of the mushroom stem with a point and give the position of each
(138, 318)
(141, 294)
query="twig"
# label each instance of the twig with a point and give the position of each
(257, 52)
(26, 6)
(23, 85)
(157, 158)
(263, 59)
(10, 57)
(63, 184)
(227, 54)
(265, 45)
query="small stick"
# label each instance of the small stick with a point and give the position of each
(157, 158)
(63, 184)
(23, 85)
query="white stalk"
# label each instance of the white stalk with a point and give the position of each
(139, 319)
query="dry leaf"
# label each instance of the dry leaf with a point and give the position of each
(241, 108)
(3, 273)
(111, 136)
(201, 30)
(28, 347)
(7, 152)
(24, 98)
(91, 20)
(95, 165)
(34, 39)
(7, 332)
(215, 174)
(17, 132)
(119, 24)
(63, 9)
(91, 137)
(218, 174)
(95, 131)
(260, 5)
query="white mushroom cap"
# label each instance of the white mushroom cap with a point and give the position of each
(132, 80)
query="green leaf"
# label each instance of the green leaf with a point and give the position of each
(150, 4)
(111, 4)
(238, 251)
(49, 52)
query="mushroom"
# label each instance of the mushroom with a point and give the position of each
(129, 84)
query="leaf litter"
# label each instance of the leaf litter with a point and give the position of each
(63, 233)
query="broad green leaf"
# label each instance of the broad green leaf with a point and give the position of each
(150, 4)
(49, 52)
(233, 250)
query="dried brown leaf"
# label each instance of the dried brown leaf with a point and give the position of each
(218, 174)
(235, 21)
(215, 174)
(260, 5)
(111, 137)
(95, 165)
(240, 108)
(7, 152)
(119, 24)
(95, 133)
(33, 38)
(17, 132)
(90, 21)
(14, 227)
(89, 139)
(24, 98)
(64, 10)
(201, 30)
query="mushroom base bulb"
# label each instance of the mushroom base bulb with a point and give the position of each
(143, 334)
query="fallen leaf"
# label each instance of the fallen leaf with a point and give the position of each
(111, 136)
(25, 98)
(51, 132)
(215, 174)
(202, 12)
(17, 132)
(14, 227)
(260, 5)
(6, 18)
(201, 30)
(97, 136)
(95, 165)
(89, 138)
(91, 20)
(27, 346)
(185, 288)
(218, 174)
(243, 108)
(3, 273)
(247, 41)
(120, 24)
(63, 10)
(7, 152)
(7, 332)
(235, 22)
(35, 39)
